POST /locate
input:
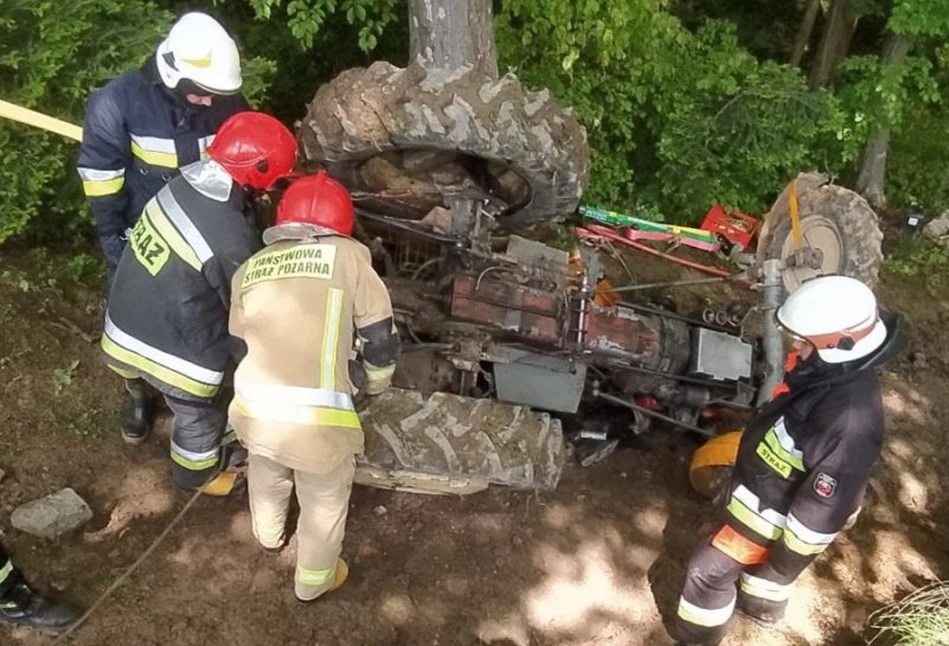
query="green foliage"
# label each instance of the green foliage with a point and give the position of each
(16, 279)
(85, 419)
(681, 118)
(920, 18)
(82, 266)
(52, 54)
(879, 95)
(919, 156)
(611, 60)
(258, 73)
(919, 160)
(64, 377)
(685, 103)
(921, 258)
(919, 619)
(670, 135)
(306, 18)
(741, 130)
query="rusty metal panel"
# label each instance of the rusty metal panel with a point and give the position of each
(528, 313)
(622, 330)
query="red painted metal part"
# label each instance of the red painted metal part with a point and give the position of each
(621, 330)
(736, 227)
(527, 313)
(655, 236)
(598, 232)
(540, 316)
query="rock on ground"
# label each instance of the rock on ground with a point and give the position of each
(937, 228)
(53, 515)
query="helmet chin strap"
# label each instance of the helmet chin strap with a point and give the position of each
(180, 97)
(184, 87)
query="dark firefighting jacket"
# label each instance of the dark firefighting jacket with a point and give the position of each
(804, 461)
(169, 302)
(136, 136)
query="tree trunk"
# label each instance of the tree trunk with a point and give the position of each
(871, 183)
(452, 34)
(835, 40)
(872, 179)
(804, 33)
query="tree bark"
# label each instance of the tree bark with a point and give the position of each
(835, 40)
(871, 183)
(452, 34)
(804, 32)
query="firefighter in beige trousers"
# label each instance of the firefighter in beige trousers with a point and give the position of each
(299, 307)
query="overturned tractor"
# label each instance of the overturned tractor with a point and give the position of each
(504, 336)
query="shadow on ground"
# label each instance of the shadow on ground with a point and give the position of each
(599, 561)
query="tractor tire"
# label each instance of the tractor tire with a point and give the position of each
(712, 464)
(530, 152)
(838, 222)
(443, 443)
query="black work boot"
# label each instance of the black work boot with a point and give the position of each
(25, 607)
(761, 610)
(136, 413)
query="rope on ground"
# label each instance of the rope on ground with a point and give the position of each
(125, 575)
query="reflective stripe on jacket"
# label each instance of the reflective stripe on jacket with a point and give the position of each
(168, 306)
(297, 305)
(135, 138)
(803, 467)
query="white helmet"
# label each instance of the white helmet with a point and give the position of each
(837, 315)
(198, 49)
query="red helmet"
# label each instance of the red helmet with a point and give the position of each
(318, 200)
(255, 149)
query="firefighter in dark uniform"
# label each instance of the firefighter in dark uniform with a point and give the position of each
(803, 463)
(20, 604)
(141, 128)
(167, 316)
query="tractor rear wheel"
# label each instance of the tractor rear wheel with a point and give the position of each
(408, 140)
(838, 229)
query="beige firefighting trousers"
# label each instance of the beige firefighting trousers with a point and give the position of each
(324, 503)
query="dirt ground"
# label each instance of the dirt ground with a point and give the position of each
(598, 561)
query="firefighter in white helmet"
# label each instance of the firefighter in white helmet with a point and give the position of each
(803, 463)
(199, 60)
(141, 128)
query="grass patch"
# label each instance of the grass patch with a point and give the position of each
(920, 619)
(919, 257)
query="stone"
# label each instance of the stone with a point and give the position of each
(380, 510)
(938, 227)
(53, 515)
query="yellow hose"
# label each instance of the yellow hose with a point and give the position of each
(39, 120)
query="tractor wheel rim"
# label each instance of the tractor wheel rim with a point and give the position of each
(817, 232)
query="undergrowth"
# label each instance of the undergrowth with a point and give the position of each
(920, 619)
(921, 258)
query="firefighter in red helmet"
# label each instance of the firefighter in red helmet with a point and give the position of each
(298, 306)
(168, 306)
